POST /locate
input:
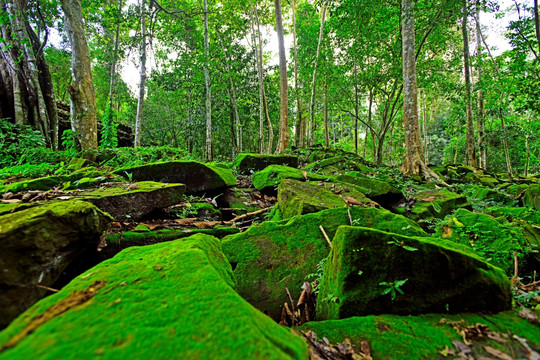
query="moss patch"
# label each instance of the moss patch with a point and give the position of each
(373, 272)
(274, 174)
(532, 197)
(274, 255)
(174, 300)
(247, 163)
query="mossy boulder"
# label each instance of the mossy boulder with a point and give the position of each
(272, 256)
(197, 177)
(482, 195)
(238, 199)
(522, 213)
(272, 176)
(377, 190)
(492, 240)
(516, 189)
(173, 300)
(135, 200)
(299, 197)
(247, 163)
(374, 272)
(532, 196)
(37, 244)
(432, 204)
(83, 178)
(395, 337)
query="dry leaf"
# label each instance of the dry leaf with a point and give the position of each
(429, 198)
(206, 224)
(352, 201)
(529, 316)
(11, 201)
(304, 174)
(498, 354)
(187, 221)
(133, 186)
(7, 196)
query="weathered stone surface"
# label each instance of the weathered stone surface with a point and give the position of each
(271, 256)
(377, 190)
(434, 204)
(37, 244)
(495, 241)
(135, 200)
(247, 163)
(172, 300)
(365, 266)
(532, 197)
(272, 176)
(299, 197)
(428, 336)
(196, 176)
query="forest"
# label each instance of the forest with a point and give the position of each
(299, 179)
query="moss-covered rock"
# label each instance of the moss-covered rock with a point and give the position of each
(396, 337)
(532, 196)
(37, 244)
(516, 189)
(374, 272)
(135, 200)
(238, 198)
(487, 237)
(247, 163)
(522, 213)
(299, 197)
(274, 255)
(272, 176)
(377, 190)
(482, 195)
(173, 300)
(432, 204)
(197, 177)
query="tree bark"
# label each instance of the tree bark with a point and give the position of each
(482, 158)
(300, 127)
(326, 136)
(114, 58)
(283, 139)
(262, 91)
(313, 83)
(537, 23)
(470, 142)
(209, 149)
(81, 90)
(414, 163)
(356, 113)
(142, 77)
(261, 84)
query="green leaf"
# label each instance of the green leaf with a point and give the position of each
(409, 248)
(436, 207)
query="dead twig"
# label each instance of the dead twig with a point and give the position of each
(47, 288)
(325, 236)
(248, 214)
(349, 212)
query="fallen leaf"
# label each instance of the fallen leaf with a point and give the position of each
(133, 186)
(429, 198)
(64, 197)
(206, 224)
(497, 337)
(352, 201)
(187, 221)
(11, 201)
(497, 353)
(529, 316)
(7, 195)
(304, 174)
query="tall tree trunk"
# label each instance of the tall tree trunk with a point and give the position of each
(300, 127)
(424, 126)
(470, 141)
(326, 136)
(114, 59)
(209, 148)
(81, 90)
(482, 158)
(283, 140)
(259, 77)
(142, 77)
(414, 163)
(356, 113)
(260, 72)
(313, 83)
(537, 23)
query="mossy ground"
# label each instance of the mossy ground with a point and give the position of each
(167, 301)
(247, 163)
(424, 336)
(272, 176)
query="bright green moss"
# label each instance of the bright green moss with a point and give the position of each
(532, 197)
(438, 276)
(131, 238)
(516, 189)
(274, 255)
(246, 162)
(488, 238)
(523, 213)
(167, 301)
(272, 175)
(421, 337)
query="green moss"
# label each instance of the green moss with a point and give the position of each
(516, 189)
(246, 162)
(421, 337)
(131, 238)
(532, 197)
(523, 213)
(272, 175)
(437, 276)
(174, 301)
(432, 204)
(275, 255)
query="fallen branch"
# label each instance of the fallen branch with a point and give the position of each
(349, 212)
(325, 236)
(47, 288)
(248, 214)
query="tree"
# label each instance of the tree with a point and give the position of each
(142, 76)
(414, 162)
(209, 149)
(81, 90)
(471, 147)
(283, 140)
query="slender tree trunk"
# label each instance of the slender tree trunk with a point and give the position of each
(142, 77)
(313, 83)
(261, 86)
(299, 123)
(81, 90)
(470, 147)
(414, 163)
(356, 113)
(114, 59)
(283, 140)
(259, 77)
(209, 149)
(424, 127)
(537, 23)
(505, 144)
(528, 156)
(326, 136)
(481, 116)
